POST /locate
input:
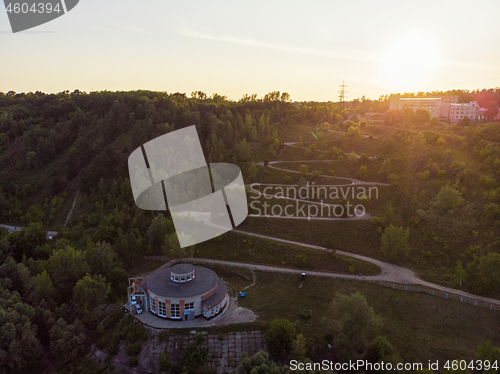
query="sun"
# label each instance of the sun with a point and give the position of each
(409, 62)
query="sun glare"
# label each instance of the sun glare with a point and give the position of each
(409, 62)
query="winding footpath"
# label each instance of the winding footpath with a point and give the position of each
(388, 272)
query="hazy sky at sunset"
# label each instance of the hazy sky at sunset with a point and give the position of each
(234, 47)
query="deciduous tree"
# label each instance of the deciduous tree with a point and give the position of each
(90, 291)
(279, 337)
(358, 323)
(395, 244)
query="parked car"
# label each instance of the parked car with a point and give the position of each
(138, 308)
(134, 300)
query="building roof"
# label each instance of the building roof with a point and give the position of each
(217, 297)
(420, 98)
(182, 269)
(160, 283)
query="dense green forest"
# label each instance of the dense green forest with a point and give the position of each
(444, 198)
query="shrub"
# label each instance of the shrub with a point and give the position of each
(200, 338)
(133, 349)
(133, 361)
(163, 364)
(194, 358)
(133, 332)
(305, 314)
(301, 261)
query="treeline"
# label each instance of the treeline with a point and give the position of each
(88, 136)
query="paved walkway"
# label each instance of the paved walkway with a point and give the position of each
(351, 180)
(390, 273)
(231, 314)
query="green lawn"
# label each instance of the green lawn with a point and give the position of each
(421, 327)
(242, 248)
(359, 236)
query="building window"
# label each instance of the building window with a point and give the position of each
(175, 311)
(189, 277)
(183, 278)
(153, 306)
(189, 306)
(161, 309)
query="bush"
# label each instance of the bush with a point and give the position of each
(133, 361)
(305, 314)
(194, 358)
(200, 338)
(163, 364)
(133, 332)
(133, 349)
(113, 345)
(301, 261)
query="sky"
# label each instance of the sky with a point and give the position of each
(234, 48)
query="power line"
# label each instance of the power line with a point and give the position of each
(342, 93)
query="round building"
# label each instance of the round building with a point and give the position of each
(185, 291)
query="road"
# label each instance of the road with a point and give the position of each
(8, 227)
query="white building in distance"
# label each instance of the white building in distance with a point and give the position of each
(438, 107)
(443, 108)
(470, 110)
